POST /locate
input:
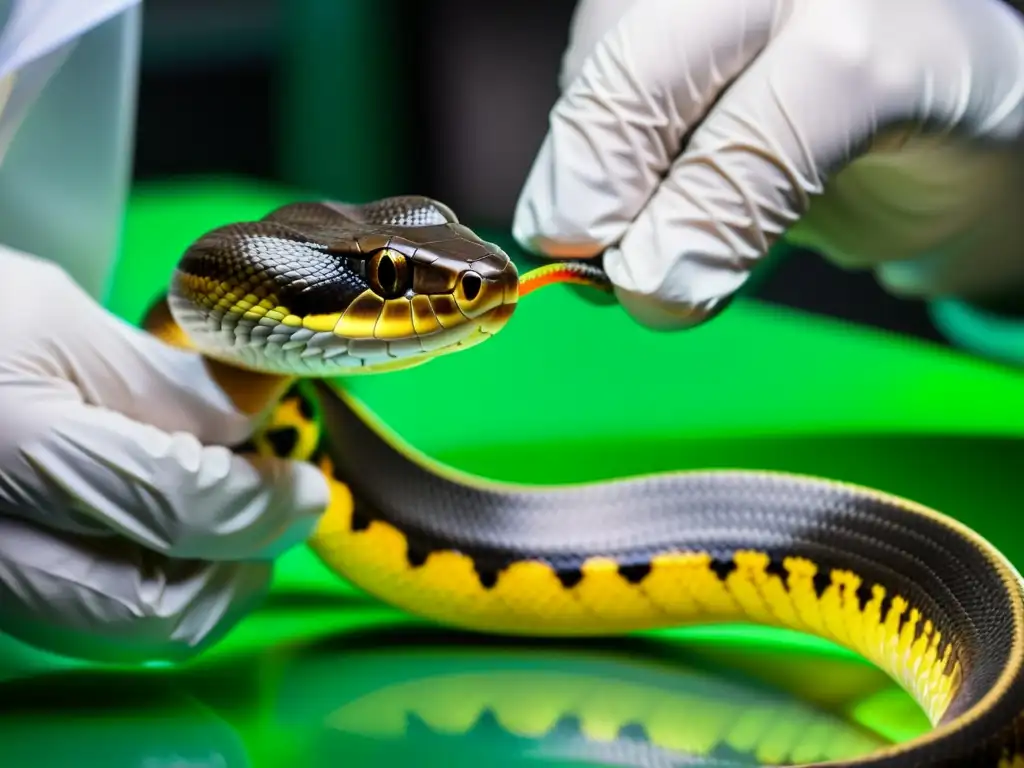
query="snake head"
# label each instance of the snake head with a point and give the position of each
(324, 289)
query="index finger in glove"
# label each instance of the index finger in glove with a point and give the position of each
(70, 465)
(620, 124)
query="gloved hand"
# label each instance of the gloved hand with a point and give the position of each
(690, 136)
(126, 533)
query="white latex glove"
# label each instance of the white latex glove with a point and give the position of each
(126, 533)
(692, 135)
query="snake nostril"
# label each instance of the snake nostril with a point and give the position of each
(471, 285)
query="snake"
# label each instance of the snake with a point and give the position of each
(284, 308)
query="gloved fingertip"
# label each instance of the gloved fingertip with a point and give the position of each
(292, 509)
(658, 315)
(297, 533)
(544, 245)
(525, 233)
(555, 248)
(545, 228)
(980, 331)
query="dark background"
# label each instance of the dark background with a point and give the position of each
(362, 98)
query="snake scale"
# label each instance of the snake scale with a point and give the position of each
(316, 290)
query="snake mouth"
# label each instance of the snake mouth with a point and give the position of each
(420, 349)
(429, 326)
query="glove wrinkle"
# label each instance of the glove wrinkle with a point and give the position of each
(110, 600)
(690, 138)
(127, 529)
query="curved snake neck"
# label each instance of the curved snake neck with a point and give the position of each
(322, 289)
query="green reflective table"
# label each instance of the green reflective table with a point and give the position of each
(324, 675)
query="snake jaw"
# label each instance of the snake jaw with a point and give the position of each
(372, 335)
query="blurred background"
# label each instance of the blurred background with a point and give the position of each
(366, 98)
(357, 99)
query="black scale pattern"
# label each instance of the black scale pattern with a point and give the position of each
(273, 258)
(284, 253)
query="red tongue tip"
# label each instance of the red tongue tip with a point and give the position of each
(571, 272)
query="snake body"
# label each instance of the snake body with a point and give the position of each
(318, 290)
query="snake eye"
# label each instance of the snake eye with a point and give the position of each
(471, 285)
(388, 273)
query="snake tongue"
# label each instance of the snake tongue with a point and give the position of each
(566, 272)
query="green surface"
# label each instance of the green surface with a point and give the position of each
(580, 393)
(299, 686)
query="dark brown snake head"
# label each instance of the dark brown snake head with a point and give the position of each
(325, 289)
